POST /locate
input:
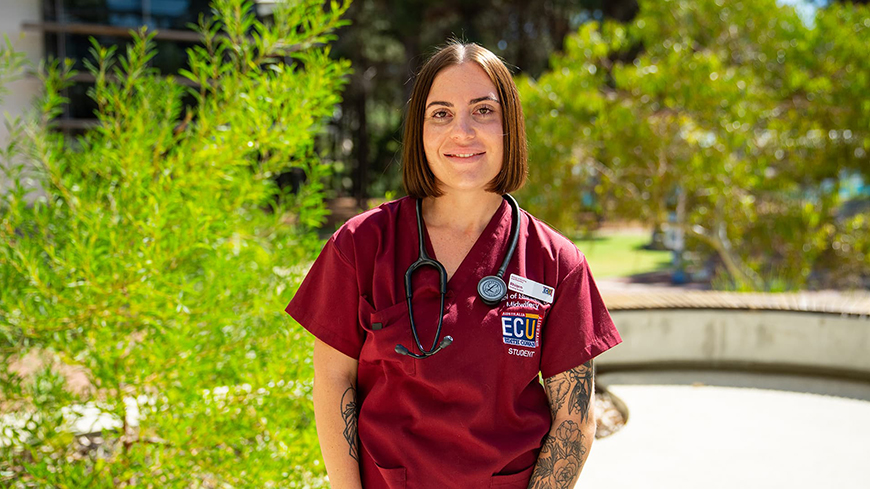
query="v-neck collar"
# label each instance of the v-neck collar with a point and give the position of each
(485, 255)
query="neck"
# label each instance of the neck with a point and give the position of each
(469, 213)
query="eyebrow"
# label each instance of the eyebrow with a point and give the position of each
(472, 102)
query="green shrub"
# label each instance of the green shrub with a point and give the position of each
(157, 259)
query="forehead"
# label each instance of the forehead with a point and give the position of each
(461, 83)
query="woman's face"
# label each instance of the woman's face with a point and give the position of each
(463, 135)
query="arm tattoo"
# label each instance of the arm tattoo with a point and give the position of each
(560, 459)
(581, 390)
(574, 386)
(349, 414)
(565, 447)
(557, 388)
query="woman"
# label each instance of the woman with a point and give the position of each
(468, 411)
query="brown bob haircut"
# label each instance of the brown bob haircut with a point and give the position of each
(416, 176)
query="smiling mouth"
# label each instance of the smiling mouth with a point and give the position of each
(464, 155)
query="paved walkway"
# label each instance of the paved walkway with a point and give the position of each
(710, 430)
(725, 430)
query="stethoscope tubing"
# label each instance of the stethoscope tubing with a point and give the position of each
(424, 260)
(515, 235)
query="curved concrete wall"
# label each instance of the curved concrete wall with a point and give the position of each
(796, 342)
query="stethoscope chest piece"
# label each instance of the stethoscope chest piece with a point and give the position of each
(491, 290)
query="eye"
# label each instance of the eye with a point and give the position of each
(485, 110)
(439, 115)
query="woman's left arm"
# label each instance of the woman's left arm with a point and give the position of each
(567, 445)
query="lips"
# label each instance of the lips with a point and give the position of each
(465, 154)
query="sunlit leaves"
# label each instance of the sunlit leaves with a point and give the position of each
(147, 262)
(751, 114)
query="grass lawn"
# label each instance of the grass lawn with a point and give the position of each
(621, 254)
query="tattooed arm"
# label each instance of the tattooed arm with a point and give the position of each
(566, 446)
(335, 411)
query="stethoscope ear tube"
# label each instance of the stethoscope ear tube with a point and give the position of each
(423, 260)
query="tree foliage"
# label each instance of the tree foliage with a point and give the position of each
(156, 260)
(388, 40)
(749, 115)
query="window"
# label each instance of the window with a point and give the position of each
(69, 24)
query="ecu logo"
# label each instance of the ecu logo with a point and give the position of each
(521, 329)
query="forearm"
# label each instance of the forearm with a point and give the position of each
(572, 431)
(335, 412)
(564, 452)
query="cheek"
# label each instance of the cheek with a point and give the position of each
(498, 141)
(496, 135)
(427, 133)
(432, 139)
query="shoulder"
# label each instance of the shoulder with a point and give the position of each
(553, 245)
(370, 228)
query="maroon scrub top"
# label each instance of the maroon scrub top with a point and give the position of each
(474, 414)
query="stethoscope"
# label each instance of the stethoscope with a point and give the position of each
(491, 288)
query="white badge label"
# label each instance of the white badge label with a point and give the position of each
(531, 288)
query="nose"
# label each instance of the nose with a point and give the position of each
(463, 127)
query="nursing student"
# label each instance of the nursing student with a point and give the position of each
(455, 332)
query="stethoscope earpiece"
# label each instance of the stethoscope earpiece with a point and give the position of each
(401, 350)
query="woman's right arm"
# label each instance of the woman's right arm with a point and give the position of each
(335, 411)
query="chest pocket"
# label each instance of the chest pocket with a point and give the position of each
(385, 329)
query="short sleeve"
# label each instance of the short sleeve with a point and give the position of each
(578, 327)
(327, 302)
